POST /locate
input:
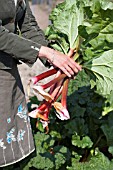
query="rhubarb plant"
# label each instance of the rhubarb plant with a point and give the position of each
(86, 27)
(82, 30)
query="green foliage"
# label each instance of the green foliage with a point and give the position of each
(88, 28)
(84, 142)
(102, 68)
(97, 162)
(48, 156)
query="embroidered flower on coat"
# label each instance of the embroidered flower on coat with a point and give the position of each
(20, 108)
(2, 144)
(20, 135)
(9, 120)
(22, 113)
(10, 136)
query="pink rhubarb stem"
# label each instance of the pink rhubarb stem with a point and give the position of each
(58, 94)
(43, 105)
(55, 80)
(44, 75)
(55, 90)
(54, 85)
(66, 83)
(64, 93)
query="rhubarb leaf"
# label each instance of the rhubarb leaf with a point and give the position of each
(107, 129)
(98, 162)
(108, 104)
(102, 70)
(67, 21)
(85, 142)
(57, 39)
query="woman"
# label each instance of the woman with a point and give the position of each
(16, 141)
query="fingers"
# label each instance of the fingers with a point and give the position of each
(66, 64)
(74, 66)
(70, 72)
(66, 72)
(70, 67)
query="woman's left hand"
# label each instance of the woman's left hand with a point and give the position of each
(62, 61)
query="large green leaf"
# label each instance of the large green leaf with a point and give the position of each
(67, 21)
(85, 142)
(102, 69)
(108, 104)
(59, 42)
(107, 129)
(106, 4)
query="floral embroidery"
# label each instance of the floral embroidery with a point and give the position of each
(2, 144)
(3, 147)
(20, 135)
(22, 112)
(10, 136)
(20, 108)
(16, 136)
(9, 120)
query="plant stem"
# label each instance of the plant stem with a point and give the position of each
(44, 75)
(54, 85)
(71, 52)
(43, 105)
(56, 89)
(55, 80)
(64, 93)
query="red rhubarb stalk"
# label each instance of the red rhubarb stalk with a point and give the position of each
(44, 75)
(57, 90)
(43, 105)
(64, 93)
(55, 80)
(54, 85)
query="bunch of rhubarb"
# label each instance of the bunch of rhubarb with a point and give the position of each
(58, 87)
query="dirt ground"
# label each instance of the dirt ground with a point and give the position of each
(41, 13)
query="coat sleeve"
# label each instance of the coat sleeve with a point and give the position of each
(29, 27)
(17, 46)
(20, 47)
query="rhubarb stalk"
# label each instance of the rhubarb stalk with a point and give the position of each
(64, 93)
(55, 80)
(46, 74)
(61, 108)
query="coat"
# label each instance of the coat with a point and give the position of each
(16, 139)
(15, 47)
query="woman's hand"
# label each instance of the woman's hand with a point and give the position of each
(62, 61)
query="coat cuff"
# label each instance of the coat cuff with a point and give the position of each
(26, 51)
